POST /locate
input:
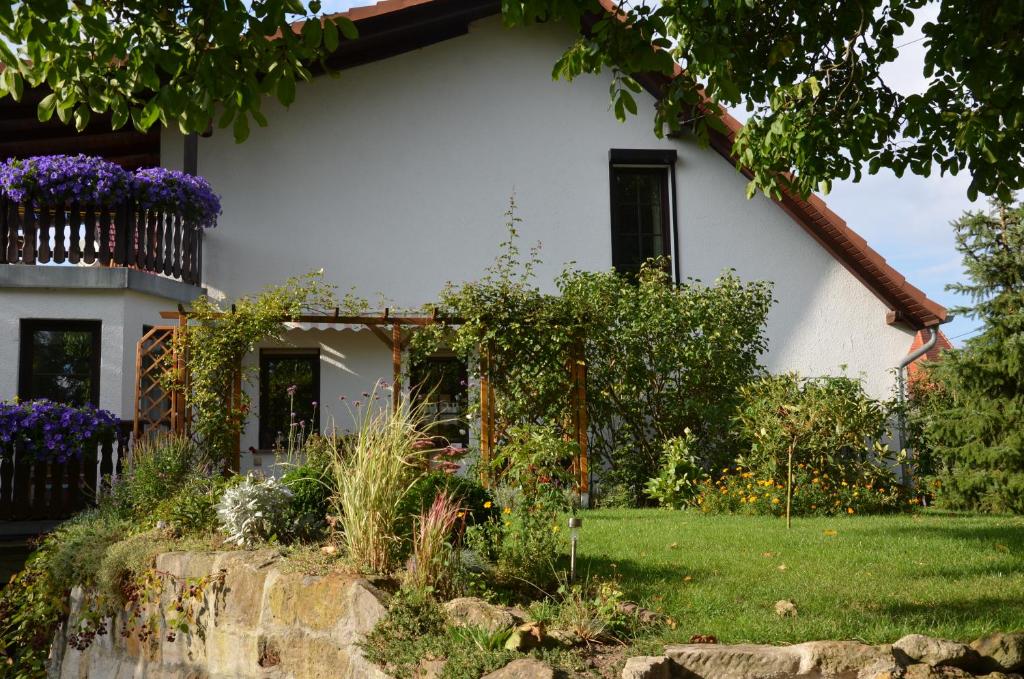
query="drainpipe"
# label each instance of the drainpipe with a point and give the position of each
(901, 384)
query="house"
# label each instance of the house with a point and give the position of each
(394, 178)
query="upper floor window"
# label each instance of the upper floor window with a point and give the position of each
(289, 390)
(60, 361)
(642, 204)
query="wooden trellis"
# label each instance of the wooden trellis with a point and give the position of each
(156, 409)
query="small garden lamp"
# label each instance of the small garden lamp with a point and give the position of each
(575, 523)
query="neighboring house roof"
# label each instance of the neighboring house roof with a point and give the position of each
(393, 27)
(942, 343)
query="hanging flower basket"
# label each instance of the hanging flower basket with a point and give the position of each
(175, 192)
(52, 431)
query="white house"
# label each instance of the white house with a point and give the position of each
(394, 179)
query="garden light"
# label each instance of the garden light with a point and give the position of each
(574, 530)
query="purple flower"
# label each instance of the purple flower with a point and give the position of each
(60, 179)
(292, 389)
(52, 430)
(157, 188)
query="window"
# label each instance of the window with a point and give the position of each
(439, 383)
(641, 204)
(279, 372)
(60, 361)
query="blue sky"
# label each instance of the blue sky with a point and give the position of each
(905, 219)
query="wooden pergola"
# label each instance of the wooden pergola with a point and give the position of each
(169, 410)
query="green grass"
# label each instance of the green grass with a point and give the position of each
(874, 579)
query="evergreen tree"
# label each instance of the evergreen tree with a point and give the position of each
(977, 429)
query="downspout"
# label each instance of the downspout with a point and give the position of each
(901, 384)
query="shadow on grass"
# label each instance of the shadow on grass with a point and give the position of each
(1010, 536)
(983, 613)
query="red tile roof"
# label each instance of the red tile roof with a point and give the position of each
(914, 370)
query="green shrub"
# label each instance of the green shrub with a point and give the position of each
(31, 608)
(475, 500)
(156, 468)
(828, 423)
(681, 474)
(193, 509)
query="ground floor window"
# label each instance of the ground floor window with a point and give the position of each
(289, 394)
(60, 361)
(440, 384)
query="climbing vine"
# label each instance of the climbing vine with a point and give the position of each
(219, 337)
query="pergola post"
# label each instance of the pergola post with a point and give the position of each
(178, 415)
(486, 417)
(396, 366)
(578, 376)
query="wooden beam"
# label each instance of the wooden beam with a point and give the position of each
(381, 335)
(396, 366)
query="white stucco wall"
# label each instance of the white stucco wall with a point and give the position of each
(122, 314)
(394, 179)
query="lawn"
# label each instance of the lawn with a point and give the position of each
(868, 578)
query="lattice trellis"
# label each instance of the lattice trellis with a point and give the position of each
(157, 408)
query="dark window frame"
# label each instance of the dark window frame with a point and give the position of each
(26, 348)
(653, 161)
(266, 356)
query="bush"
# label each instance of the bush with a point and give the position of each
(312, 486)
(193, 509)
(475, 500)
(156, 468)
(681, 474)
(815, 493)
(373, 471)
(829, 423)
(254, 511)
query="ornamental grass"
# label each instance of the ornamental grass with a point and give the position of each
(373, 470)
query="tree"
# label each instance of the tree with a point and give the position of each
(811, 74)
(977, 430)
(175, 62)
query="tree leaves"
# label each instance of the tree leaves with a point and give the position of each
(173, 62)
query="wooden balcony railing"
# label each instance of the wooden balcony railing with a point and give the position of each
(125, 235)
(33, 489)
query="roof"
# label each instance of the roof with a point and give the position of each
(942, 343)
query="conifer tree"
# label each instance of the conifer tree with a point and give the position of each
(977, 429)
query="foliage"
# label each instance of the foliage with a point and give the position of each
(372, 471)
(830, 422)
(31, 607)
(156, 468)
(815, 493)
(254, 511)
(413, 615)
(435, 563)
(678, 483)
(216, 341)
(52, 430)
(811, 76)
(312, 486)
(177, 63)
(660, 357)
(974, 425)
(535, 459)
(467, 491)
(593, 611)
(58, 179)
(193, 508)
(179, 193)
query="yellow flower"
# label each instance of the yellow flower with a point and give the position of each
(775, 500)
(487, 505)
(507, 510)
(554, 529)
(461, 514)
(849, 510)
(815, 480)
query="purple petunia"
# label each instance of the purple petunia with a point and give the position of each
(60, 179)
(52, 430)
(179, 192)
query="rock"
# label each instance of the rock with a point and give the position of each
(1001, 652)
(785, 609)
(524, 668)
(647, 667)
(742, 661)
(471, 611)
(938, 652)
(844, 659)
(525, 637)
(564, 637)
(924, 671)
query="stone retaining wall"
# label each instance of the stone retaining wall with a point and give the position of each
(261, 622)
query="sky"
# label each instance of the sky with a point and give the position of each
(907, 220)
